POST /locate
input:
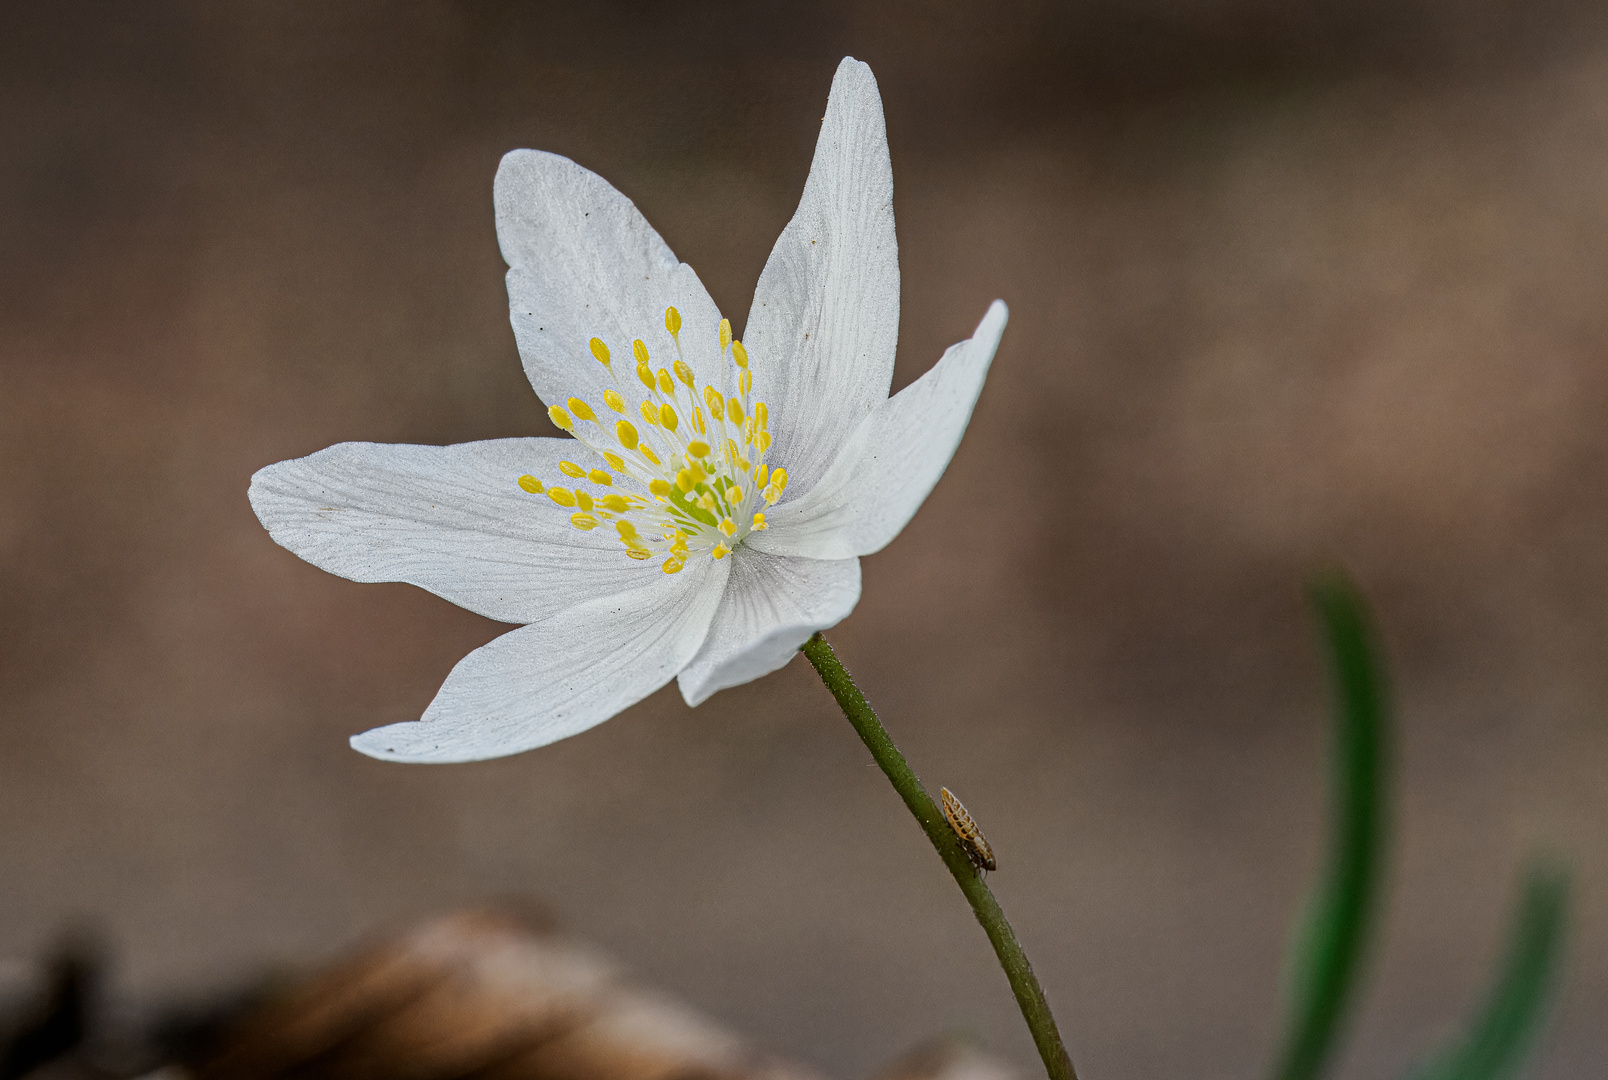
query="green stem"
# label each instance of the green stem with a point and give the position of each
(1029, 995)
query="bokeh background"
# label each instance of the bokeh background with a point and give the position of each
(1292, 283)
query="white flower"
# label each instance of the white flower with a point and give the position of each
(709, 513)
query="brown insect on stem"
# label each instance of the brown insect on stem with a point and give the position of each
(971, 837)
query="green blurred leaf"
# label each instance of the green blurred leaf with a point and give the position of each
(1503, 1030)
(1328, 954)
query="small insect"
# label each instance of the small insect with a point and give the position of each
(971, 837)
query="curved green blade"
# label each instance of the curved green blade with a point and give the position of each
(1506, 1026)
(1328, 954)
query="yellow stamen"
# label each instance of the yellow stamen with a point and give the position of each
(616, 462)
(598, 476)
(583, 522)
(625, 528)
(763, 440)
(626, 434)
(684, 480)
(639, 553)
(530, 484)
(601, 351)
(562, 496)
(734, 409)
(759, 523)
(779, 478)
(672, 322)
(617, 504)
(582, 409)
(761, 416)
(725, 333)
(728, 526)
(640, 352)
(647, 451)
(717, 404)
(650, 414)
(583, 500)
(561, 418)
(645, 373)
(684, 372)
(720, 552)
(739, 354)
(569, 468)
(745, 381)
(698, 449)
(759, 477)
(659, 488)
(666, 384)
(614, 401)
(667, 417)
(673, 564)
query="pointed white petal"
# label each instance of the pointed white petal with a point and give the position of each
(825, 319)
(584, 263)
(771, 607)
(450, 519)
(563, 675)
(891, 462)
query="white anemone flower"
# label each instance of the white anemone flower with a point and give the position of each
(709, 511)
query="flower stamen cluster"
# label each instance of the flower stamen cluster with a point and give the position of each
(693, 475)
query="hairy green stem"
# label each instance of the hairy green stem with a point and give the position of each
(1029, 995)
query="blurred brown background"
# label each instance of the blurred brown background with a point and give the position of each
(1290, 282)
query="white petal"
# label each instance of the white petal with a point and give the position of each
(825, 320)
(892, 461)
(450, 519)
(771, 607)
(584, 263)
(558, 677)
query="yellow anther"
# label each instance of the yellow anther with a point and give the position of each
(645, 373)
(779, 478)
(759, 477)
(583, 522)
(759, 523)
(716, 403)
(582, 409)
(698, 424)
(739, 354)
(530, 484)
(562, 496)
(720, 552)
(672, 322)
(598, 476)
(583, 500)
(725, 333)
(683, 372)
(732, 450)
(764, 441)
(626, 434)
(666, 384)
(601, 351)
(639, 553)
(647, 451)
(698, 449)
(625, 528)
(615, 503)
(706, 501)
(640, 351)
(616, 462)
(561, 418)
(772, 493)
(745, 381)
(569, 468)
(761, 415)
(685, 481)
(728, 526)
(734, 409)
(659, 488)
(673, 564)
(667, 417)
(613, 400)
(650, 413)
